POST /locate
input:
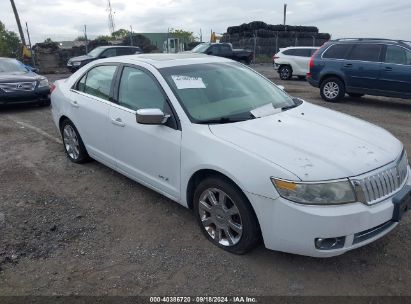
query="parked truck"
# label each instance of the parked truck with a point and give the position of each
(224, 50)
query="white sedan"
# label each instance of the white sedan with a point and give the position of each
(251, 161)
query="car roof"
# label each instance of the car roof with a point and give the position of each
(300, 47)
(370, 40)
(168, 60)
(117, 46)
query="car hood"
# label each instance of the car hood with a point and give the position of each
(81, 58)
(314, 143)
(18, 76)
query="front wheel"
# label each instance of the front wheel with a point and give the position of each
(285, 72)
(332, 89)
(225, 216)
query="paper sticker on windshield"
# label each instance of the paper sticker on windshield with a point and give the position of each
(187, 82)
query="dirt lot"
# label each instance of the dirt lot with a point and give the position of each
(84, 229)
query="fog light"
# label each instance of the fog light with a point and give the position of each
(329, 243)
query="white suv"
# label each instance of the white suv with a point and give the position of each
(293, 61)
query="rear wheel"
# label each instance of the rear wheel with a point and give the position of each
(332, 89)
(355, 95)
(285, 72)
(225, 215)
(73, 144)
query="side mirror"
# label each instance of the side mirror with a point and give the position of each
(281, 87)
(151, 117)
(35, 70)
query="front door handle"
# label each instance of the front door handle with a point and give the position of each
(75, 104)
(388, 69)
(118, 122)
(348, 65)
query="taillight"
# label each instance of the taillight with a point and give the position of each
(275, 57)
(311, 64)
(52, 87)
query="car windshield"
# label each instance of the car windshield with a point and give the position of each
(224, 92)
(94, 53)
(11, 65)
(200, 48)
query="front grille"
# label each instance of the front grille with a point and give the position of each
(18, 86)
(382, 183)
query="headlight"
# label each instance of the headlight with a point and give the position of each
(43, 83)
(325, 193)
(76, 63)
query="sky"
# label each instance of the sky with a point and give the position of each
(65, 19)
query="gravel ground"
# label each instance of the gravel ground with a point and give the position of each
(69, 229)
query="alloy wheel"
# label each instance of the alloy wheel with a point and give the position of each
(220, 217)
(71, 142)
(331, 90)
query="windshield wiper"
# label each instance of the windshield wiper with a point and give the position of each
(224, 120)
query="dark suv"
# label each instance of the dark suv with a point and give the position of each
(101, 52)
(362, 66)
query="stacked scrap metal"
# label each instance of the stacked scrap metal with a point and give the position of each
(267, 38)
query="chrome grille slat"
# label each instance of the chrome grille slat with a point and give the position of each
(10, 87)
(384, 182)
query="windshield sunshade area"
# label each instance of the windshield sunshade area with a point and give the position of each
(11, 66)
(228, 92)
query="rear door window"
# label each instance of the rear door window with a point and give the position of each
(366, 52)
(337, 51)
(302, 52)
(397, 55)
(124, 51)
(289, 52)
(98, 81)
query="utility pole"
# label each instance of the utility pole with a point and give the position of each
(201, 36)
(85, 37)
(131, 35)
(110, 18)
(16, 14)
(31, 49)
(285, 15)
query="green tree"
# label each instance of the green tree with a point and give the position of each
(9, 43)
(184, 36)
(48, 40)
(120, 34)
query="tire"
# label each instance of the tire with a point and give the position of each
(332, 89)
(355, 95)
(285, 72)
(73, 144)
(231, 225)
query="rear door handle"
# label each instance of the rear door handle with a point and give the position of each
(348, 65)
(118, 122)
(388, 69)
(75, 104)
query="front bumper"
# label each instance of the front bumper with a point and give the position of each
(293, 228)
(37, 96)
